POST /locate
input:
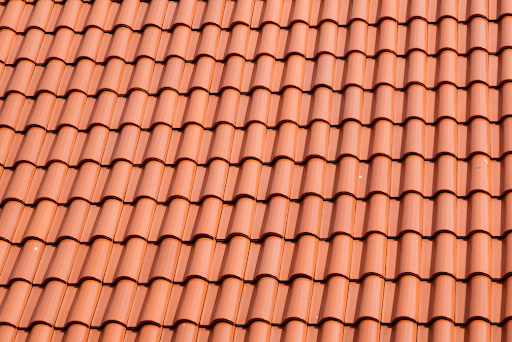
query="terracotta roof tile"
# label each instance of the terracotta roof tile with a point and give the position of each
(253, 170)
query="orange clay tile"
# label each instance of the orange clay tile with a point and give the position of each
(255, 171)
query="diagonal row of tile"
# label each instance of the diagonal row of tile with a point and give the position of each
(300, 39)
(266, 73)
(77, 110)
(107, 15)
(257, 143)
(128, 183)
(330, 331)
(103, 260)
(197, 301)
(113, 220)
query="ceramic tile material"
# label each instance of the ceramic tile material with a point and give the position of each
(256, 171)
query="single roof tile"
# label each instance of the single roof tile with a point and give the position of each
(40, 15)
(12, 14)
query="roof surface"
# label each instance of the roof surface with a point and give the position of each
(256, 171)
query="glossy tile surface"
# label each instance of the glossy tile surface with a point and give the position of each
(256, 171)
